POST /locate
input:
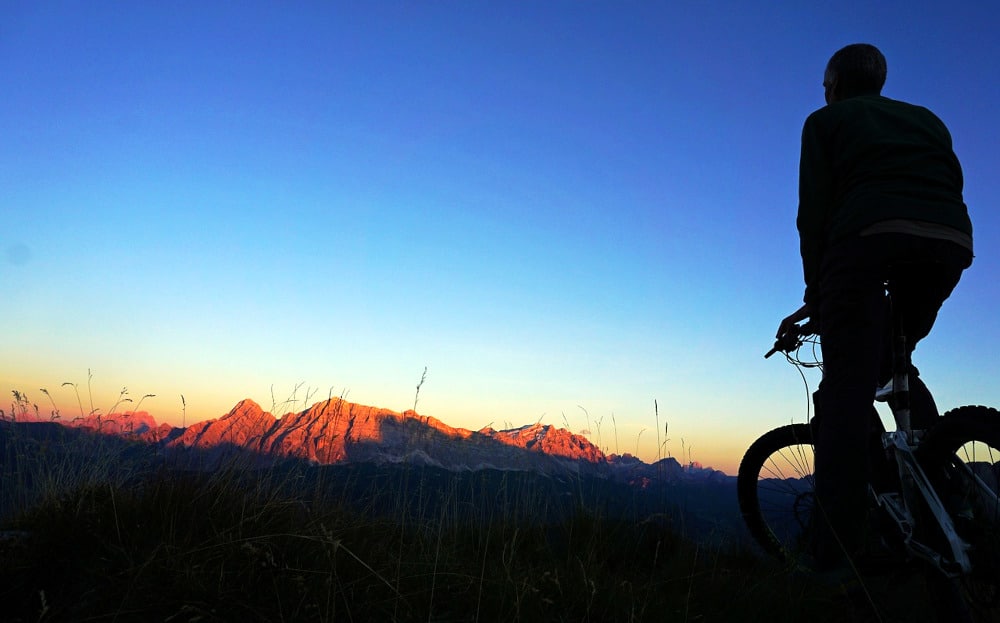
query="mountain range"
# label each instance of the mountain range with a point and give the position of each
(338, 432)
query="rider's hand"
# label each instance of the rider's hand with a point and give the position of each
(788, 324)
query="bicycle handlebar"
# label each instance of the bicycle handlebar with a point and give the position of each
(791, 340)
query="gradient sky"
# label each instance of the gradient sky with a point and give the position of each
(565, 211)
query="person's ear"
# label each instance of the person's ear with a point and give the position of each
(830, 88)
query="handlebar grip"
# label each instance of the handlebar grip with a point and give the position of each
(791, 340)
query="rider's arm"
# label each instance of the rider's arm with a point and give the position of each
(816, 192)
(788, 324)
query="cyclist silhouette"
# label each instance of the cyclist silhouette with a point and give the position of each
(880, 195)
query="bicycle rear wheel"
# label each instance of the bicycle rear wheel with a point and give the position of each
(961, 456)
(775, 489)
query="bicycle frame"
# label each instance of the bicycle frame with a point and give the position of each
(915, 487)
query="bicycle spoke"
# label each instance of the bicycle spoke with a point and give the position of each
(776, 488)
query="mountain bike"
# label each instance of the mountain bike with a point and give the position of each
(935, 499)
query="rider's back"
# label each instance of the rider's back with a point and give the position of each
(870, 159)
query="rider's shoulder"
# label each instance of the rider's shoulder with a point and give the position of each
(871, 111)
(875, 104)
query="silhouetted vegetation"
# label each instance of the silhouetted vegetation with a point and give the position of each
(94, 530)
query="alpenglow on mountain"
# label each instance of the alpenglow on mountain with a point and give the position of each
(337, 432)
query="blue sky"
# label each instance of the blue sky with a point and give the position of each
(563, 210)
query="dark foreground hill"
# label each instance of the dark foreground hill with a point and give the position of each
(39, 456)
(98, 528)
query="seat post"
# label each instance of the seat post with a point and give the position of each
(900, 376)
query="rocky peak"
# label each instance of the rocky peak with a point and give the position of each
(553, 441)
(246, 425)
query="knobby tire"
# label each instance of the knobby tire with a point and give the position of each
(774, 488)
(961, 456)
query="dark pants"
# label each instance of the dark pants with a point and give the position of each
(855, 334)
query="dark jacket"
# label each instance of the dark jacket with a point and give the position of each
(868, 159)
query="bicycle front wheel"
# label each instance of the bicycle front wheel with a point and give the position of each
(961, 456)
(775, 488)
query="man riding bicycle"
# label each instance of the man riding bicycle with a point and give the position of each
(880, 196)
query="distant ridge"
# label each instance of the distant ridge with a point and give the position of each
(335, 432)
(134, 424)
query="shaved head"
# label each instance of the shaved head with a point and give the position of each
(857, 69)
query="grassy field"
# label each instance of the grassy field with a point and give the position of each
(92, 529)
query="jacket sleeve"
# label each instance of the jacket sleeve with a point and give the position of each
(815, 203)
